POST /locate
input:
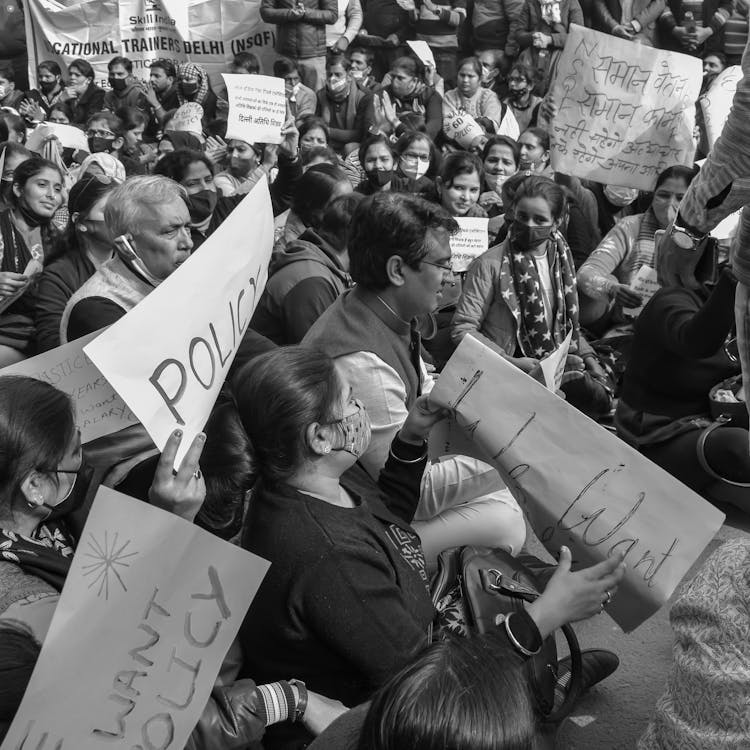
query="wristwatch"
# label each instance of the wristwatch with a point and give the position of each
(684, 238)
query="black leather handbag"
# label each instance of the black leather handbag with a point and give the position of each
(494, 584)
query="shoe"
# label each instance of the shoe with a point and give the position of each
(598, 664)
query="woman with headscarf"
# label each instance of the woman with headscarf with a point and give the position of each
(193, 86)
(85, 245)
(102, 164)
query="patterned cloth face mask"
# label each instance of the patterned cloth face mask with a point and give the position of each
(355, 431)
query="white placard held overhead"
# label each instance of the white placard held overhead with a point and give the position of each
(257, 108)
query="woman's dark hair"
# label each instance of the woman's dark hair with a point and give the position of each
(541, 135)
(458, 163)
(678, 172)
(12, 148)
(501, 140)
(81, 199)
(49, 65)
(83, 68)
(372, 141)
(409, 65)
(407, 139)
(467, 693)
(58, 108)
(474, 62)
(131, 117)
(19, 651)
(175, 164)
(114, 123)
(320, 152)
(311, 122)
(337, 219)
(524, 70)
(10, 123)
(536, 186)
(37, 423)
(31, 168)
(387, 224)
(279, 394)
(314, 190)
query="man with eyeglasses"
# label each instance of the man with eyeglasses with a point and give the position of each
(400, 259)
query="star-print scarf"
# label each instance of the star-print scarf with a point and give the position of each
(47, 555)
(522, 292)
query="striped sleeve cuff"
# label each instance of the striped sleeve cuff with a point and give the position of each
(279, 702)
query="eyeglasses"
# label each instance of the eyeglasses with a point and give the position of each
(99, 134)
(444, 267)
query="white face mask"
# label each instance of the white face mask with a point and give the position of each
(620, 196)
(414, 168)
(357, 75)
(339, 85)
(295, 89)
(3, 92)
(495, 181)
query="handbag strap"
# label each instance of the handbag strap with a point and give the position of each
(575, 686)
(720, 421)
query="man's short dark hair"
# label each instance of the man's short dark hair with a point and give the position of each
(175, 164)
(248, 61)
(388, 224)
(167, 66)
(283, 67)
(120, 60)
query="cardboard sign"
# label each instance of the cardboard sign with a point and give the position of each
(99, 410)
(625, 112)
(423, 52)
(69, 136)
(717, 102)
(462, 128)
(553, 366)
(594, 493)
(139, 633)
(207, 32)
(170, 374)
(257, 108)
(469, 242)
(646, 284)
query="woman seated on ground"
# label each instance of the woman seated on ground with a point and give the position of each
(471, 98)
(27, 239)
(82, 97)
(500, 158)
(246, 164)
(308, 275)
(679, 353)
(458, 185)
(102, 165)
(11, 154)
(418, 160)
(605, 278)
(43, 483)
(345, 603)
(520, 296)
(85, 245)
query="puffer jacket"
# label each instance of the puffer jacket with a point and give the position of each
(300, 38)
(131, 96)
(492, 21)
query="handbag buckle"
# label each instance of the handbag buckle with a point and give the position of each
(497, 584)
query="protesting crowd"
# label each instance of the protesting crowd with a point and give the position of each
(404, 120)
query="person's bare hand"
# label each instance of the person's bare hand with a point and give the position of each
(626, 297)
(215, 149)
(570, 597)
(622, 31)
(422, 417)
(321, 712)
(290, 145)
(11, 283)
(180, 492)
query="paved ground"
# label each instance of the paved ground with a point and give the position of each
(614, 714)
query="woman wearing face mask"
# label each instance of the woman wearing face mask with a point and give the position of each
(343, 106)
(245, 162)
(84, 246)
(482, 104)
(38, 103)
(377, 159)
(534, 147)
(408, 93)
(336, 547)
(521, 98)
(82, 96)
(193, 86)
(417, 160)
(604, 280)
(520, 296)
(27, 239)
(313, 133)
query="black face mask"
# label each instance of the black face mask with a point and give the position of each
(517, 94)
(189, 89)
(378, 178)
(6, 191)
(202, 205)
(524, 237)
(100, 145)
(47, 87)
(118, 84)
(76, 496)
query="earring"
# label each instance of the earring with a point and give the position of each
(327, 449)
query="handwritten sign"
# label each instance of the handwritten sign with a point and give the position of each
(624, 112)
(99, 410)
(462, 128)
(717, 102)
(595, 494)
(469, 242)
(139, 633)
(423, 52)
(171, 374)
(187, 118)
(644, 283)
(553, 366)
(257, 108)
